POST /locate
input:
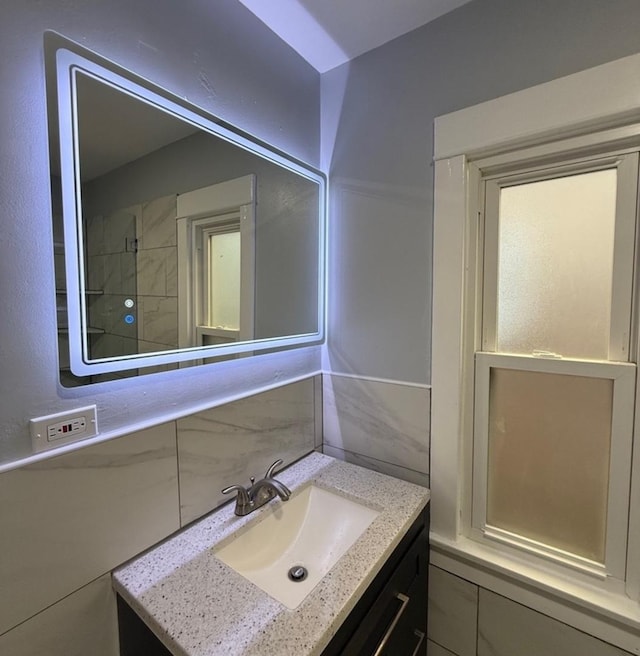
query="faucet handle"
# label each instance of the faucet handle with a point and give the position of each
(272, 470)
(243, 495)
(244, 504)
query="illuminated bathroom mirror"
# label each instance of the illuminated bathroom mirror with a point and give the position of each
(183, 240)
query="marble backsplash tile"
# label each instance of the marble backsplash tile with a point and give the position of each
(386, 421)
(71, 518)
(377, 465)
(317, 400)
(230, 443)
(85, 622)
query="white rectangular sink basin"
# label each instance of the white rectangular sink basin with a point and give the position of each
(312, 530)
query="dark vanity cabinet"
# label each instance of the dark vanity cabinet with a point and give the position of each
(136, 638)
(391, 617)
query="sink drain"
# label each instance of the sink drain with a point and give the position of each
(297, 573)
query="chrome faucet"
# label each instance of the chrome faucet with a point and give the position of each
(259, 493)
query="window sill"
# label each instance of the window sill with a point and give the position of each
(606, 614)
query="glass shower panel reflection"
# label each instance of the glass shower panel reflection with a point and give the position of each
(555, 257)
(548, 458)
(111, 294)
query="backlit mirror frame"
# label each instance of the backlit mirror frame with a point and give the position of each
(68, 64)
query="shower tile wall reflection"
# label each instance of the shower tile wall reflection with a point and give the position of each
(158, 225)
(157, 313)
(157, 320)
(132, 256)
(111, 278)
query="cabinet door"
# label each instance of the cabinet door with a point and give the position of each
(136, 638)
(396, 623)
(406, 634)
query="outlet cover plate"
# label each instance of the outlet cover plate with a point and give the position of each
(51, 431)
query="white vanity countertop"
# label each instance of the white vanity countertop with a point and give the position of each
(198, 606)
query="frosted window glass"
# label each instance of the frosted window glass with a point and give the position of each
(224, 280)
(555, 265)
(548, 458)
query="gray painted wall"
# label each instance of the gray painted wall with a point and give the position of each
(215, 54)
(377, 122)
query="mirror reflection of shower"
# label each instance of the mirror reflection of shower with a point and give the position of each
(111, 284)
(148, 189)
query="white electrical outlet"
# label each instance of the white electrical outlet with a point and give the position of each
(64, 427)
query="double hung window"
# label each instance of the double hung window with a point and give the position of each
(554, 379)
(216, 263)
(535, 413)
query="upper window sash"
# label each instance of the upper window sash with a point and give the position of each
(626, 166)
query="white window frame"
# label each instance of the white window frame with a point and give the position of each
(198, 211)
(487, 356)
(579, 109)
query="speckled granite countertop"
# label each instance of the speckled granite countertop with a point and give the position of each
(198, 606)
